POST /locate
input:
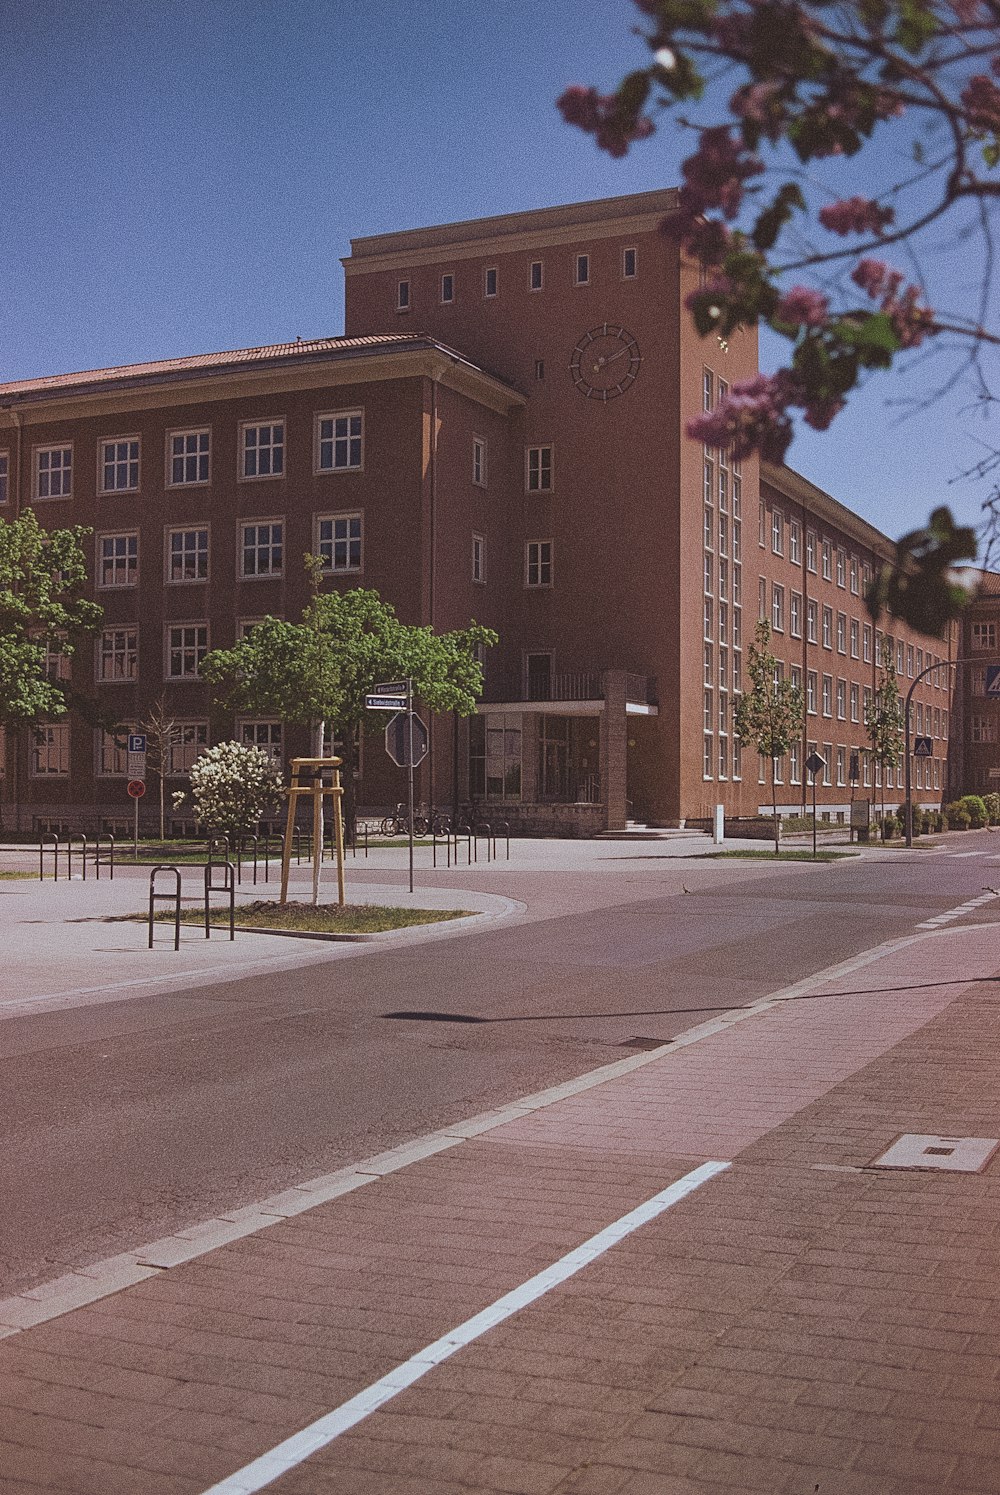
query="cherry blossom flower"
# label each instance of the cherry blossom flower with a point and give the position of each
(856, 215)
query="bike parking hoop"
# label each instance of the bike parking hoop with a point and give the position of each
(71, 839)
(228, 885)
(441, 831)
(43, 847)
(102, 840)
(175, 896)
(463, 831)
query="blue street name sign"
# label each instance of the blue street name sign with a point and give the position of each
(923, 747)
(993, 679)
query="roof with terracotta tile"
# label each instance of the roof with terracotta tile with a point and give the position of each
(274, 353)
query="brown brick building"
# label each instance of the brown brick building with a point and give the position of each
(499, 435)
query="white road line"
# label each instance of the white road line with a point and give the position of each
(325, 1429)
(956, 913)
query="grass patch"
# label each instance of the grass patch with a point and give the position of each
(17, 876)
(783, 856)
(325, 918)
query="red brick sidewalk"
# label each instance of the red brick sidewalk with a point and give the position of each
(801, 1323)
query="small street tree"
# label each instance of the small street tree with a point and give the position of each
(233, 787)
(318, 671)
(161, 735)
(768, 717)
(884, 720)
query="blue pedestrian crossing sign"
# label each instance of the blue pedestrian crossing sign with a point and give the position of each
(993, 679)
(923, 747)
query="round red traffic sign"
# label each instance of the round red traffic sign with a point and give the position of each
(136, 788)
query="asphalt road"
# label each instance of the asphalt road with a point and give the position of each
(126, 1120)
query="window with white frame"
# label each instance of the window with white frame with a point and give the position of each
(828, 628)
(120, 465)
(189, 453)
(738, 585)
(724, 579)
(56, 663)
(338, 541)
(841, 568)
(762, 598)
(826, 561)
(479, 558)
(761, 524)
(854, 702)
(479, 461)
(854, 575)
(709, 619)
(983, 729)
(737, 543)
(581, 270)
(810, 551)
(187, 645)
(777, 532)
(723, 485)
(723, 622)
(866, 643)
(842, 700)
(402, 295)
(708, 535)
(117, 654)
(737, 628)
(630, 260)
(50, 751)
(899, 657)
(708, 664)
(855, 631)
(723, 533)
(187, 555)
(708, 573)
(340, 441)
(447, 288)
(811, 684)
(490, 281)
(827, 695)
(778, 608)
(794, 542)
(984, 636)
(4, 477)
(118, 560)
(811, 612)
(538, 469)
(112, 753)
(841, 633)
(262, 450)
(535, 275)
(538, 563)
(262, 548)
(794, 773)
(708, 756)
(909, 660)
(54, 472)
(188, 741)
(266, 735)
(707, 389)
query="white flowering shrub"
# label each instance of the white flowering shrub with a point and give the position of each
(233, 787)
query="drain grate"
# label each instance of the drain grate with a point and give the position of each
(956, 1154)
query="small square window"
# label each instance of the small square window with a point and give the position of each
(120, 465)
(490, 282)
(54, 472)
(581, 274)
(189, 457)
(187, 555)
(403, 295)
(535, 275)
(263, 450)
(340, 441)
(262, 549)
(629, 264)
(339, 541)
(447, 288)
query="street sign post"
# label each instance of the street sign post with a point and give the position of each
(136, 789)
(136, 764)
(814, 763)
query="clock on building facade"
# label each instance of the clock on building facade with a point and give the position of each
(605, 362)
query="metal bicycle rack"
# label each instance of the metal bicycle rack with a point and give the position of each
(175, 896)
(72, 838)
(54, 848)
(228, 885)
(102, 838)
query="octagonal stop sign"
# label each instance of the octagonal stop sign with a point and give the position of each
(398, 736)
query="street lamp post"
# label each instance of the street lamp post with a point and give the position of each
(946, 664)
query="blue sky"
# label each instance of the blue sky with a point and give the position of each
(184, 175)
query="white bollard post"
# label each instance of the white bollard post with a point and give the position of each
(719, 825)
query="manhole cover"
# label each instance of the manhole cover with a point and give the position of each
(957, 1154)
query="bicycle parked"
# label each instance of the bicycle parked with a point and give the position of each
(398, 823)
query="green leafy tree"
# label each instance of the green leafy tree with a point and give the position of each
(884, 719)
(318, 671)
(233, 787)
(768, 717)
(43, 575)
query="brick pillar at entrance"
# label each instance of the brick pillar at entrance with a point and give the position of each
(614, 750)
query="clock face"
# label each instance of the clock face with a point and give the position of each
(605, 362)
